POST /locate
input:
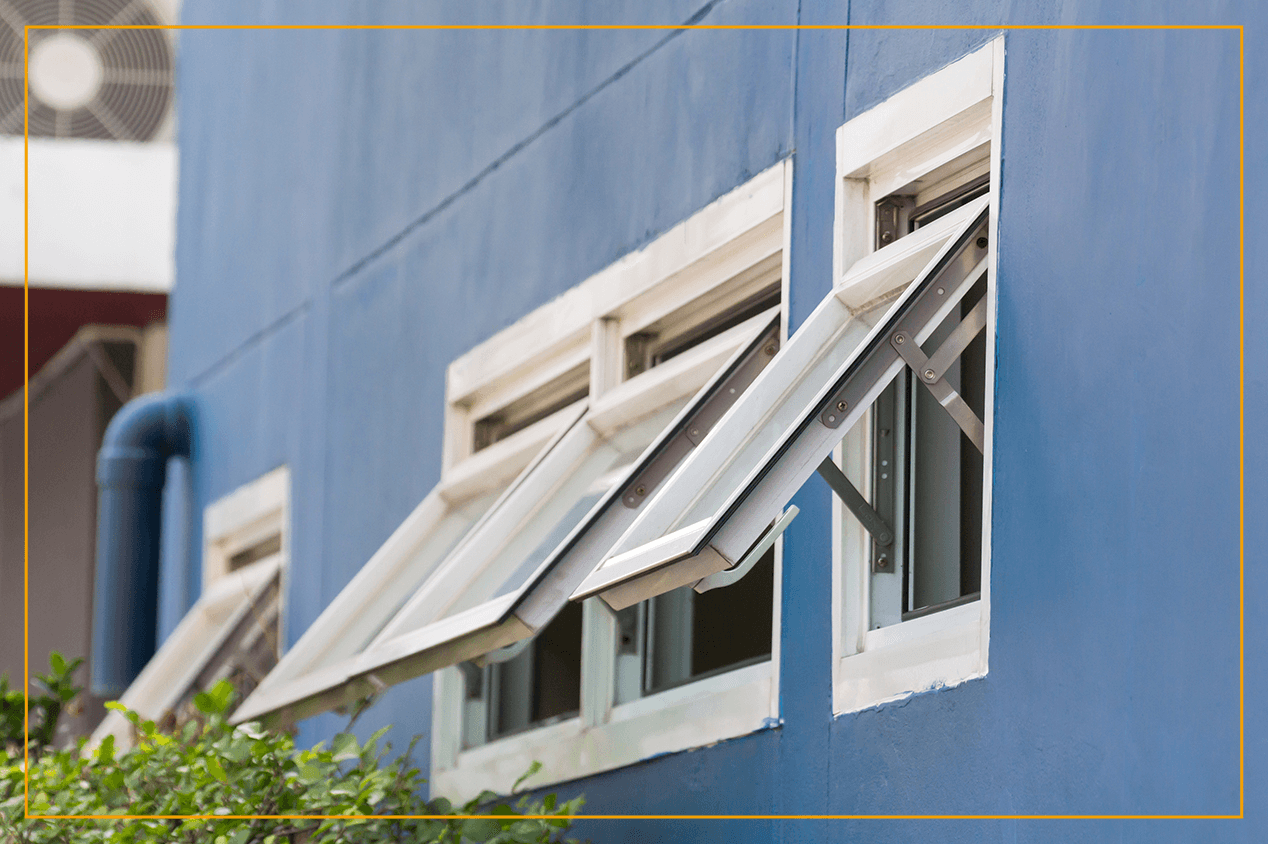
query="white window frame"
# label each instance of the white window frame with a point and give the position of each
(712, 254)
(936, 120)
(244, 517)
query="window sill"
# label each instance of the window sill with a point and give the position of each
(936, 651)
(698, 714)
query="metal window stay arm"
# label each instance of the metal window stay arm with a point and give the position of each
(872, 521)
(930, 371)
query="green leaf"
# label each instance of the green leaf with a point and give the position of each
(312, 773)
(58, 662)
(344, 746)
(532, 769)
(527, 832)
(371, 743)
(105, 750)
(222, 694)
(480, 829)
(214, 768)
(127, 713)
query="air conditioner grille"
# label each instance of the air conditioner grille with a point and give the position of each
(111, 84)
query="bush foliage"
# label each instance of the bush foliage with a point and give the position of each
(207, 767)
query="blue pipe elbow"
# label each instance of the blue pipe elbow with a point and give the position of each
(131, 471)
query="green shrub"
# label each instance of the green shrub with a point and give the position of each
(56, 692)
(207, 767)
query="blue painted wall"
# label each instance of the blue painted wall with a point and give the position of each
(359, 208)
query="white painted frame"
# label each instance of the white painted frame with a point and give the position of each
(708, 258)
(934, 121)
(700, 257)
(248, 515)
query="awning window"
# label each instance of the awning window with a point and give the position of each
(229, 633)
(513, 571)
(729, 497)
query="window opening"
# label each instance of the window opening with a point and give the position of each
(923, 215)
(264, 548)
(926, 471)
(927, 481)
(687, 635)
(571, 387)
(538, 681)
(912, 207)
(541, 684)
(925, 518)
(680, 331)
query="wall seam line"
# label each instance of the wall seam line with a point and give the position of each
(379, 251)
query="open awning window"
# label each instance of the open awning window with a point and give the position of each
(229, 633)
(514, 569)
(728, 499)
(359, 612)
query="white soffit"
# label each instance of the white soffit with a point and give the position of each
(517, 567)
(102, 214)
(727, 493)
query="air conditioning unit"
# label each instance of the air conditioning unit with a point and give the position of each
(102, 154)
(106, 84)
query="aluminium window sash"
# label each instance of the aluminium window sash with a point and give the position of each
(398, 654)
(536, 602)
(718, 542)
(554, 582)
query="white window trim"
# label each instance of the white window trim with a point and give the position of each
(743, 229)
(231, 524)
(738, 231)
(920, 128)
(249, 514)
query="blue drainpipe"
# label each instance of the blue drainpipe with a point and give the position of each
(131, 470)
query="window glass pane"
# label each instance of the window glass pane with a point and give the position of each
(542, 684)
(442, 539)
(557, 534)
(571, 387)
(260, 550)
(562, 511)
(690, 635)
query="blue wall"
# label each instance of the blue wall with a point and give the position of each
(359, 208)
